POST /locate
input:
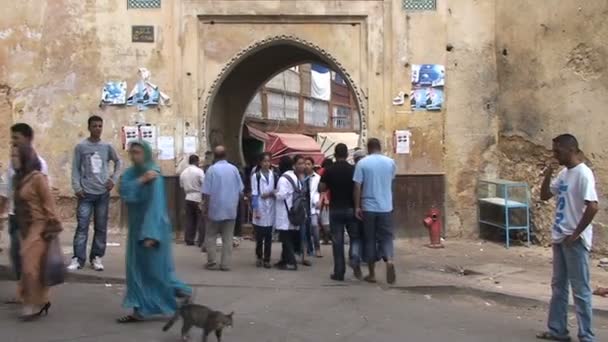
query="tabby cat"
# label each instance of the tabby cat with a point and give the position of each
(202, 317)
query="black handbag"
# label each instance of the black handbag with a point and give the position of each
(54, 267)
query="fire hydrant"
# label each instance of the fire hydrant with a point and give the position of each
(432, 222)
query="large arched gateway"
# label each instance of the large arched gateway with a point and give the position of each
(241, 77)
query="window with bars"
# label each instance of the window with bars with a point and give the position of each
(135, 4)
(254, 109)
(420, 5)
(316, 113)
(341, 117)
(286, 81)
(283, 107)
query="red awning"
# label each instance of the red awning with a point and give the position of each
(285, 144)
(256, 133)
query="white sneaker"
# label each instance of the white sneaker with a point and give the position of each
(74, 265)
(96, 264)
(218, 242)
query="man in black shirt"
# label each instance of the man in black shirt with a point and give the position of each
(338, 179)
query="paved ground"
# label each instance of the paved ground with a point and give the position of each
(350, 313)
(518, 271)
(429, 302)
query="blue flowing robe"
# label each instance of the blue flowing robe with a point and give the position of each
(151, 282)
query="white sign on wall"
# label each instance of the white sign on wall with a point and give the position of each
(402, 141)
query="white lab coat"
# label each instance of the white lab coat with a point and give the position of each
(266, 207)
(314, 181)
(285, 196)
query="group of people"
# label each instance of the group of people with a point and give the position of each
(296, 199)
(152, 286)
(293, 199)
(287, 199)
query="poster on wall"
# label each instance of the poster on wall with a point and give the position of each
(166, 148)
(129, 135)
(148, 134)
(146, 94)
(402, 141)
(428, 81)
(430, 99)
(114, 93)
(190, 144)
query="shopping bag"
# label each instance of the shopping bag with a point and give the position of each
(54, 268)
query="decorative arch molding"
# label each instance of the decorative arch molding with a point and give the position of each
(259, 45)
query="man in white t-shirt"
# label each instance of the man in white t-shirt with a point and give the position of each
(572, 234)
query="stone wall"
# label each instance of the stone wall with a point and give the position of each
(552, 76)
(471, 120)
(54, 59)
(517, 74)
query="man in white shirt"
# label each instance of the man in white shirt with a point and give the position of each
(191, 180)
(572, 234)
(21, 133)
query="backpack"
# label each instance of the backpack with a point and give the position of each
(297, 215)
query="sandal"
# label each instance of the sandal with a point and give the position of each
(550, 337)
(129, 319)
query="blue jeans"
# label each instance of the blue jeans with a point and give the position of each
(339, 219)
(378, 229)
(96, 205)
(15, 247)
(305, 239)
(571, 268)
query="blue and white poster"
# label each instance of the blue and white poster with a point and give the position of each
(146, 94)
(428, 98)
(428, 81)
(114, 93)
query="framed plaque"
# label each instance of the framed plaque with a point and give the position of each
(142, 34)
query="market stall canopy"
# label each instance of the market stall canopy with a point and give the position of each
(329, 140)
(255, 133)
(286, 144)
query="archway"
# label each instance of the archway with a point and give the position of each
(231, 92)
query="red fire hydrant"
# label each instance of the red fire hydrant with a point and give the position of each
(432, 222)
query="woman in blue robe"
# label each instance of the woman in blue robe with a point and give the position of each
(152, 287)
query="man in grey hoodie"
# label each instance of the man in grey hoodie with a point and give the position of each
(92, 183)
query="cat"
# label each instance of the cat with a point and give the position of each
(202, 317)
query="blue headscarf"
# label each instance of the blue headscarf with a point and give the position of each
(149, 164)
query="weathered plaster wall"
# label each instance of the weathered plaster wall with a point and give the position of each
(553, 78)
(54, 58)
(471, 120)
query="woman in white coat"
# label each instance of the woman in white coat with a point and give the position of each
(263, 181)
(288, 233)
(313, 241)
